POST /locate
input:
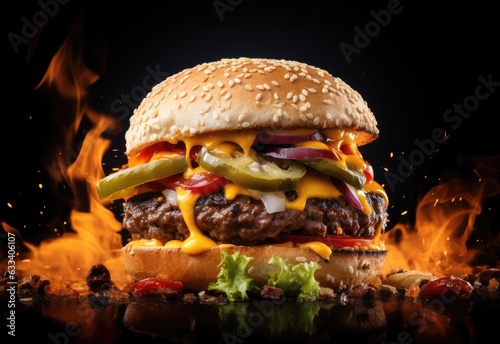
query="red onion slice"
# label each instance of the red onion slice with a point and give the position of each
(300, 153)
(287, 137)
(348, 191)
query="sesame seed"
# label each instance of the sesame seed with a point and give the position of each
(251, 269)
(169, 91)
(206, 108)
(303, 118)
(302, 97)
(303, 108)
(311, 90)
(208, 97)
(237, 80)
(205, 88)
(287, 76)
(220, 84)
(304, 92)
(275, 83)
(245, 124)
(231, 83)
(175, 96)
(226, 74)
(195, 87)
(247, 75)
(321, 74)
(227, 96)
(316, 120)
(276, 96)
(289, 95)
(295, 98)
(183, 94)
(351, 270)
(266, 86)
(249, 87)
(260, 87)
(309, 115)
(327, 101)
(258, 97)
(301, 259)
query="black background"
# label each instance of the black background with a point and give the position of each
(416, 66)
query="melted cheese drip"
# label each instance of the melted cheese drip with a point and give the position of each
(319, 248)
(244, 139)
(313, 185)
(196, 243)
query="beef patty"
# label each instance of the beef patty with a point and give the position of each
(244, 221)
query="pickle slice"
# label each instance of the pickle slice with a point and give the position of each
(330, 167)
(255, 174)
(122, 183)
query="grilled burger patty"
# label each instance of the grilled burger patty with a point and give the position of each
(244, 221)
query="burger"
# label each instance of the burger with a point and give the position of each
(245, 174)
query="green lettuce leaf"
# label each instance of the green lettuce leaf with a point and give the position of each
(295, 280)
(233, 279)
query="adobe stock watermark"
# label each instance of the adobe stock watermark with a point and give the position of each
(222, 6)
(421, 320)
(454, 116)
(31, 26)
(73, 329)
(254, 319)
(364, 35)
(125, 105)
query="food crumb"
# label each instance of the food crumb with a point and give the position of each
(413, 291)
(493, 284)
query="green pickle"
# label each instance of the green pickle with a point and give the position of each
(122, 183)
(252, 173)
(330, 167)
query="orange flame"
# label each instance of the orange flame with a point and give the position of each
(95, 238)
(442, 240)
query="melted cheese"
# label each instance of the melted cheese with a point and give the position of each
(196, 243)
(319, 248)
(313, 185)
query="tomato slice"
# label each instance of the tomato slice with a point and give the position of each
(145, 155)
(204, 183)
(368, 172)
(332, 241)
(150, 285)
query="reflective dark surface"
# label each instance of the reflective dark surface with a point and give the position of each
(382, 319)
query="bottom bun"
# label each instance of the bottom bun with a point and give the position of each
(345, 268)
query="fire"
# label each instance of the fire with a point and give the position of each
(95, 238)
(448, 237)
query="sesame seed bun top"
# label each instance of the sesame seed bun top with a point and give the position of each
(248, 93)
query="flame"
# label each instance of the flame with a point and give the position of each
(95, 238)
(449, 237)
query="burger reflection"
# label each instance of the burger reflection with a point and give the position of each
(257, 321)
